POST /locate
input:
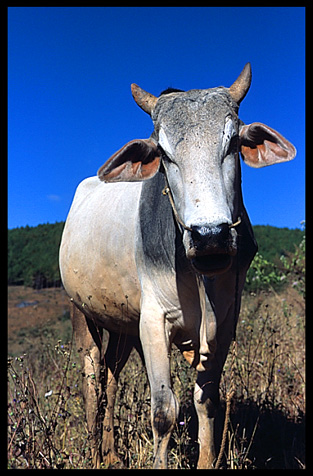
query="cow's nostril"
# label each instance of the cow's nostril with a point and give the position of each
(210, 233)
(223, 231)
(199, 233)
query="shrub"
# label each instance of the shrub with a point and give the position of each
(293, 266)
(289, 268)
(262, 274)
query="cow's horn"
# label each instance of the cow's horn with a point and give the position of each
(241, 86)
(144, 100)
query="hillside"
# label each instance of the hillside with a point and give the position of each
(33, 255)
(274, 242)
(33, 251)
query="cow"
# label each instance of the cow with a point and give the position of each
(155, 251)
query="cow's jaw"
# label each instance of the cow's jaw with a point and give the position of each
(211, 265)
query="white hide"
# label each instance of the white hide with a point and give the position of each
(95, 257)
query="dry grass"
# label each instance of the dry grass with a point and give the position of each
(266, 369)
(268, 418)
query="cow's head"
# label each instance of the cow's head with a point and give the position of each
(197, 138)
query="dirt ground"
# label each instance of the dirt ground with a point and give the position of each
(40, 311)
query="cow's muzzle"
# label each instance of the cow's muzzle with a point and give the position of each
(211, 248)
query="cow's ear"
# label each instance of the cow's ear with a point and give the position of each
(138, 160)
(261, 145)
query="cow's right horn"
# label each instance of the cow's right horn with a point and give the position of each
(144, 100)
(241, 86)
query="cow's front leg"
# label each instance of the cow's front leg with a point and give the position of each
(164, 405)
(206, 393)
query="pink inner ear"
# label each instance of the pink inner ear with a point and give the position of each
(132, 171)
(276, 149)
(115, 174)
(150, 169)
(138, 160)
(250, 155)
(261, 146)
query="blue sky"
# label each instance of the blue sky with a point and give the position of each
(70, 105)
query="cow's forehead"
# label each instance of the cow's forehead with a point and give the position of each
(198, 106)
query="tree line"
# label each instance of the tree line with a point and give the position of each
(33, 251)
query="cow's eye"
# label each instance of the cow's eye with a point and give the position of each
(165, 157)
(233, 145)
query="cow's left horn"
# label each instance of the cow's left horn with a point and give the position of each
(241, 86)
(144, 100)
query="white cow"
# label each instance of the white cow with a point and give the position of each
(156, 249)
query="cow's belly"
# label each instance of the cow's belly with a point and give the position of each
(107, 302)
(97, 254)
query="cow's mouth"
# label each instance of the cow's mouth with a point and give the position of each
(212, 264)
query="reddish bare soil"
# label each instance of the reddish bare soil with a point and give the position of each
(28, 323)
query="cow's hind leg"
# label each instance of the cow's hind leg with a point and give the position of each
(89, 342)
(117, 353)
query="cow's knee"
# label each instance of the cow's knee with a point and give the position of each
(164, 410)
(206, 393)
(206, 403)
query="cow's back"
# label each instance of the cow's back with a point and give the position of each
(97, 253)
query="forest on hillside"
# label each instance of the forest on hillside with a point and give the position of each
(33, 251)
(33, 255)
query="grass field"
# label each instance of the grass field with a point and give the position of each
(266, 369)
